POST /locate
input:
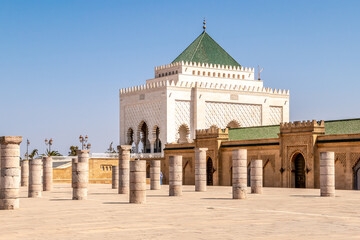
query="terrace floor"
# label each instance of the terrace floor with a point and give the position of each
(278, 213)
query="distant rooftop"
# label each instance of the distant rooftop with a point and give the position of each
(333, 127)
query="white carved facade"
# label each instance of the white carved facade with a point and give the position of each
(185, 96)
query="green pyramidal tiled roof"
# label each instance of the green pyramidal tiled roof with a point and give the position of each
(205, 50)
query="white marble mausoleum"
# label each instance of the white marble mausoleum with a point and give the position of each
(203, 87)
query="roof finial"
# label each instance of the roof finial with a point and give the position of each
(204, 27)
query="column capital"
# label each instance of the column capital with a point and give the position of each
(80, 151)
(201, 149)
(124, 147)
(10, 140)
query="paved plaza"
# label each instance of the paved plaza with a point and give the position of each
(279, 213)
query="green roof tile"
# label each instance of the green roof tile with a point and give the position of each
(249, 133)
(346, 126)
(205, 50)
(335, 127)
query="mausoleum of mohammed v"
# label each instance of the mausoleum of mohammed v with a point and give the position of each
(205, 99)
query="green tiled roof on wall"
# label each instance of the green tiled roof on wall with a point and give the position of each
(335, 127)
(254, 132)
(346, 126)
(205, 50)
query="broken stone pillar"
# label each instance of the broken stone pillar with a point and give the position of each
(256, 176)
(115, 177)
(155, 175)
(10, 172)
(124, 170)
(327, 174)
(47, 173)
(24, 173)
(239, 173)
(35, 181)
(175, 175)
(80, 174)
(73, 171)
(200, 169)
(137, 181)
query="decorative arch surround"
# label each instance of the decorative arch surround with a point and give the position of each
(233, 124)
(183, 134)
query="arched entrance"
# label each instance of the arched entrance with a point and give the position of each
(209, 172)
(298, 171)
(356, 170)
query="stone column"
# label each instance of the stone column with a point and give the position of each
(256, 176)
(175, 175)
(35, 181)
(80, 174)
(137, 181)
(47, 173)
(24, 173)
(239, 173)
(327, 174)
(155, 175)
(124, 170)
(73, 171)
(115, 177)
(10, 172)
(200, 169)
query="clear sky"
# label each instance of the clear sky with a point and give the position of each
(62, 62)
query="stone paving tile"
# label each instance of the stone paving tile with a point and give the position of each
(279, 213)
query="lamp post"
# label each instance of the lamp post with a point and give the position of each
(27, 149)
(83, 141)
(49, 143)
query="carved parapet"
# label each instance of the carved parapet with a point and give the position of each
(212, 132)
(303, 126)
(205, 65)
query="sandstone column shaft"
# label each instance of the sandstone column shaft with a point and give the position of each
(115, 177)
(256, 178)
(47, 173)
(200, 169)
(239, 173)
(25, 173)
(137, 181)
(35, 181)
(327, 174)
(155, 175)
(175, 175)
(10, 172)
(124, 168)
(80, 173)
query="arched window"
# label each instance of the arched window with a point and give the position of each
(238, 76)
(157, 145)
(243, 76)
(193, 72)
(130, 136)
(209, 74)
(224, 75)
(176, 72)
(143, 134)
(233, 75)
(199, 73)
(229, 75)
(214, 74)
(204, 74)
(219, 75)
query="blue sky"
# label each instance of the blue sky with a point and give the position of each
(63, 62)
